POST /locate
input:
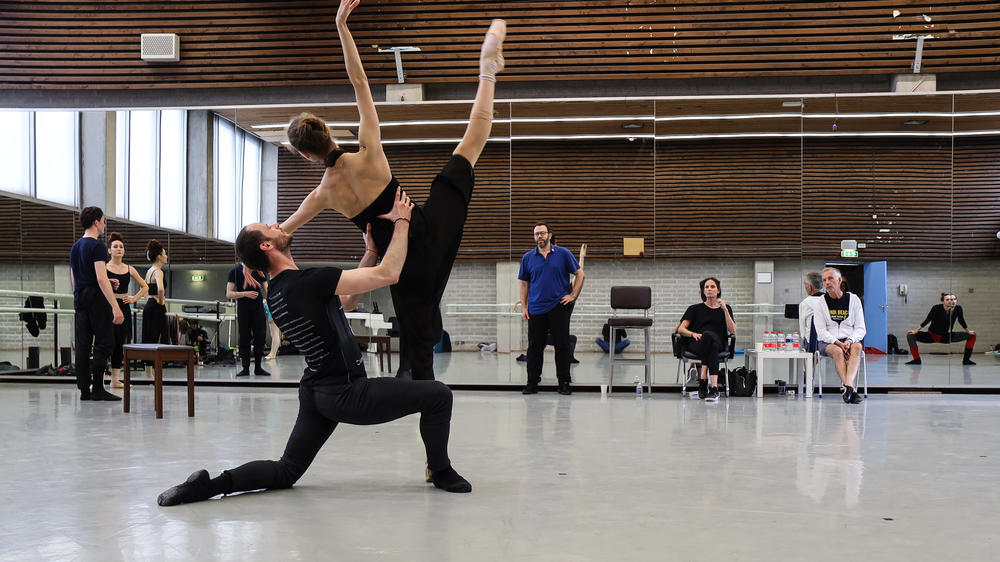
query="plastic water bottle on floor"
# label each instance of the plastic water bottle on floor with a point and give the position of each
(638, 388)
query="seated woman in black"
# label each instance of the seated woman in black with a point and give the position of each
(707, 325)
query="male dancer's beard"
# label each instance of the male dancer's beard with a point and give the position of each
(282, 243)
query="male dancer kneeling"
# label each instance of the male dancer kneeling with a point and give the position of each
(306, 305)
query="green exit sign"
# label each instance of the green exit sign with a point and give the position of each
(848, 253)
(202, 277)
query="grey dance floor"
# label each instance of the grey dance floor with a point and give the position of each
(555, 478)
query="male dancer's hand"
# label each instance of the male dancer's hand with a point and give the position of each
(118, 316)
(401, 209)
(369, 244)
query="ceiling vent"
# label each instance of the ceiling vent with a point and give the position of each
(161, 47)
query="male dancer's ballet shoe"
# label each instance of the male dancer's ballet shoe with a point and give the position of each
(192, 490)
(491, 55)
(428, 475)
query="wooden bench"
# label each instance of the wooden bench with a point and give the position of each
(158, 353)
(383, 345)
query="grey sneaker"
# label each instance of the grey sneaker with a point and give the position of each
(713, 394)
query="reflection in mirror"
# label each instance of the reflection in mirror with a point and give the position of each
(877, 205)
(585, 168)
(728, 201)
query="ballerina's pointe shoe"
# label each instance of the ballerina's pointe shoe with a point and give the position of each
(491, 55)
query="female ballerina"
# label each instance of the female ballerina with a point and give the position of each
(122, 273)
(361, 187)
(154, 313)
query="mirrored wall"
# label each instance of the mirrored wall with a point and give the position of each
(897, 191)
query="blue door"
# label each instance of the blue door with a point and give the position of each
(876, 306)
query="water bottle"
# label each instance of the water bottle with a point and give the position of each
(769, 342)
(638, 388)
(787, 343)
(796, 342)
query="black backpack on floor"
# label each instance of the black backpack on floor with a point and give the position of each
(742, 382)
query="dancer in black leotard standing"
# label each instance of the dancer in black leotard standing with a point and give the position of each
(361, 187)
(120, 274)
(154, 314)
(308, 306)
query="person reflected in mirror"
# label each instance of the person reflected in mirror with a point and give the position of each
(251, 319)
(95, 310)
(361, 186)
(940, 324)
(840, 326)
(121, 274)
(308, 305)
(154, 313)
(813, 285)
(275, 332)
(706, 327)
(546, 304)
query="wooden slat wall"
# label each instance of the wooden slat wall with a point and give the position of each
(731, 198)
(976, 201)
(81, 44)
(895, 197)
(38, 233)
(742, 199)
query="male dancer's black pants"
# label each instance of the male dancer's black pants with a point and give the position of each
(93, 328)
(362, 401)
(555, 322)
(253, 327)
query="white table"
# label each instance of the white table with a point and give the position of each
(375, 322)
(761, 359)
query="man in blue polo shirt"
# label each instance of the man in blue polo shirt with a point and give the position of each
(546, 297)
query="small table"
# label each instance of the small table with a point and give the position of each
(761, 358)
(383, 345)
(158, 353)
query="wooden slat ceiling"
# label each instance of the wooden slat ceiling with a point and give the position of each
(77, 44)
(690, 116)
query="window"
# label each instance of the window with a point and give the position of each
(40, 154)
(15, 151)
(237, 179)
(151, 167)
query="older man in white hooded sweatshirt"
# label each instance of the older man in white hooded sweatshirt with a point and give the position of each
(840, 327)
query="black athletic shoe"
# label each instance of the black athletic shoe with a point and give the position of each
(968, 362)
(104, 396)
(190, 491)
(702, 388)
(846, 393)
(404, 374)
(532, 388)
(713, 394)
(573, 361)
(913, 362)
(856, 398)
(258, 372)
(243, 373)
(85, 396)
(564, 388)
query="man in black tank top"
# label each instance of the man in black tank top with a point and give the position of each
(307, 306)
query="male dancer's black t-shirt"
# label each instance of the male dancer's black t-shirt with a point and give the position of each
(302, 303)
(941, 322)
